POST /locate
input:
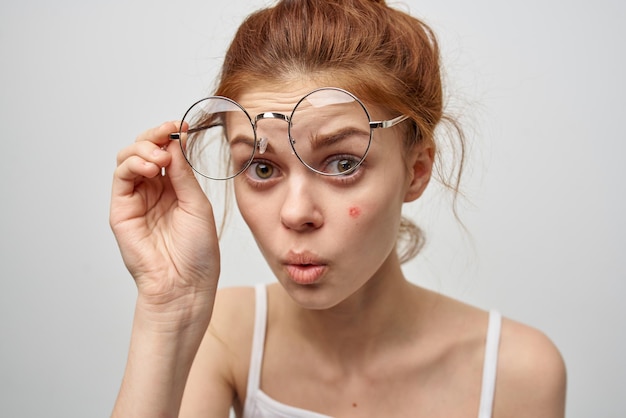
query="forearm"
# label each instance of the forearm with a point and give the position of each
(163, 346)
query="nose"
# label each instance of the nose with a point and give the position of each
(300, 210)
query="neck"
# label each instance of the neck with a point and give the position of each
(380, 314)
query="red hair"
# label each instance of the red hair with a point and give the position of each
(384, 56)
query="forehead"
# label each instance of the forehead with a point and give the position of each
(282, 97)
(273, 97)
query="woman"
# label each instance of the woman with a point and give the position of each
(330, 110)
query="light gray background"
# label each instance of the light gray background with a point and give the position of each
(541, 88)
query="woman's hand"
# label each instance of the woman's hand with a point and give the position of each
(164, 224)
(166, 232)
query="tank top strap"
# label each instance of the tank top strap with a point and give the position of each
(258, 341)
(490, 365)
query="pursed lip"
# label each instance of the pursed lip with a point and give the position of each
(304, 267)
(303, 258)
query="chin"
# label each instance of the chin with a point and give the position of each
(316, 297)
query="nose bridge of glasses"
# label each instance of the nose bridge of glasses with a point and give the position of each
(271, 115)
(263, 141)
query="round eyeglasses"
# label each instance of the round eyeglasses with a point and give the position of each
(329, 130)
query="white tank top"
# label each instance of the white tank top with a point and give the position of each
(260, 405)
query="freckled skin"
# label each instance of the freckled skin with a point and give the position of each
(354, 212)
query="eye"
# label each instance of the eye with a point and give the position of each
(341, 164)
(261, 171)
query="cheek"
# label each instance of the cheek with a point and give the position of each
(354, 212)
(246, 205)
(373, 227)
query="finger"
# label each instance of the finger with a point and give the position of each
(160, 134)
(182, 178)
(128, 173)
(147, 150)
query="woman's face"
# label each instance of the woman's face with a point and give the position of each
(323, 237)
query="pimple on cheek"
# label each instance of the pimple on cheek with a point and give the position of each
(354, 212)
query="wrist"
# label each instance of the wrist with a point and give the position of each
(164, 342)
(176, 315)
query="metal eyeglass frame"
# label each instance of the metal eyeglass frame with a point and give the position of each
(260, 144)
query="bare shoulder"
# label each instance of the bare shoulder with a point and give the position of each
(531, 378)
(217, 379)
(232, 325)
(233, 305)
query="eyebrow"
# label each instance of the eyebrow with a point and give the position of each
(246, 140)
(326, 140)
(241, 139)
(317, 141)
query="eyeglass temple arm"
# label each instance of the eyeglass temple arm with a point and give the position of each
(174, 136)
(388, 123)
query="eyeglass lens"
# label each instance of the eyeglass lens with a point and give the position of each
(328, 131)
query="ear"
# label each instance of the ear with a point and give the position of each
(420, 166)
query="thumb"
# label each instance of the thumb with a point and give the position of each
(182, 178)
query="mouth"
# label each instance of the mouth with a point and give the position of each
(304, 268)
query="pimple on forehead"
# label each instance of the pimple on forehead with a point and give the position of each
(354, 211)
